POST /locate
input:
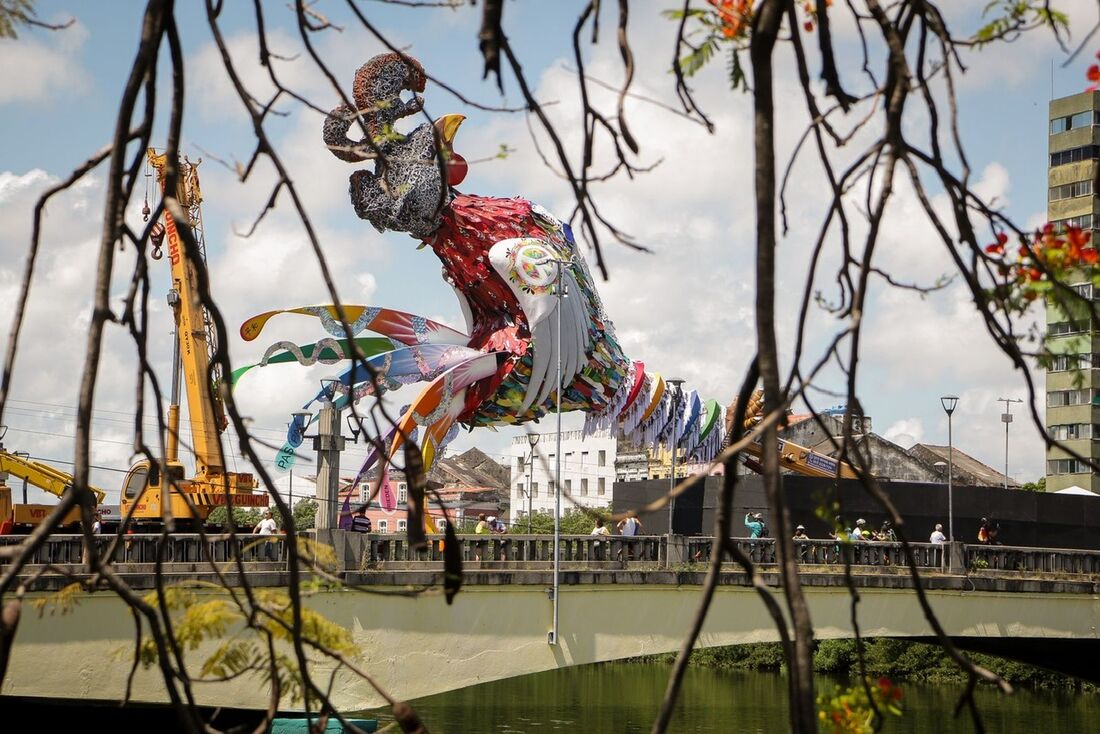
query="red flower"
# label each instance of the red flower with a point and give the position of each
(998, 247)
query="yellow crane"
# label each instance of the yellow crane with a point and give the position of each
(150, 495)
(24, 516)
(792, 457)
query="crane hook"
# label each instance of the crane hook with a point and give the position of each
(156, 238)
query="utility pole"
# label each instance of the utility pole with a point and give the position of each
(1006, 418)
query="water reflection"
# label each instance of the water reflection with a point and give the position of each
(622, 697)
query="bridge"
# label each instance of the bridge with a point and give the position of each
(618, 599)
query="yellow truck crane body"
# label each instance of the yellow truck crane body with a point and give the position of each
(147, 492)
(43, 476)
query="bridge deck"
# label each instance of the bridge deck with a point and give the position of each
(497, 625)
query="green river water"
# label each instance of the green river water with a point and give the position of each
(624, 697)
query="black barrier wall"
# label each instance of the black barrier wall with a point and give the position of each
(1026, 518)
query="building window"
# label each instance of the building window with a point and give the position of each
(1064, 362)
(601, 459)
(1072, 431)
(402, 494)
(1072, 122)
(534, 489)
(1067, 466)
(601, 487)
(584, 457)
(1071, 190)
(1060, 398)
(1061, 328)
(519, 463)
(402, 525)
(1075, 155)
(383, 526)
(584, 488)
(1085, 290)
(1085, 221)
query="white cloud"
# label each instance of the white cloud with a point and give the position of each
(48, 70)
(905, 432)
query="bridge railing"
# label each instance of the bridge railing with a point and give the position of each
(63, 550)
(369, 550)
(825, 552)
(517, 548)
(1034, 560)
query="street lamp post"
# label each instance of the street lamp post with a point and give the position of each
(949, 402)
(1006, 418)
(559, 291)
(532, 439)
(675, 382)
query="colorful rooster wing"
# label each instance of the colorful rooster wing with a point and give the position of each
(506, 260)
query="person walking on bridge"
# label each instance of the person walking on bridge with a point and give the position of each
(755, 524)
(937, 537)
(266, 527)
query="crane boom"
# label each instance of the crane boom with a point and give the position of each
(792, 456)
(193, 324)
(154, 492)
(42, 475)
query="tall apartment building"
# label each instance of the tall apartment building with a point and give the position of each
(1073, 379)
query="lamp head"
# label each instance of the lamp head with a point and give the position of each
(949, 402)
(532, 439)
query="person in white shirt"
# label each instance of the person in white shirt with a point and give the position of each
(267, 526)
(937, 536)
(599, 531)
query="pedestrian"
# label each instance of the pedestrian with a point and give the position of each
(97, 525)
(937, 537)
(629, 527)
(266, 527)
(496, 525)
(860, 533)
(983, 532)
(886, 533)
(482, 527)
(360, 523)
(755, 524)
(803, 549)
(600, 532)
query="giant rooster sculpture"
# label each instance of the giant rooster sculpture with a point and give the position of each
(505, 260)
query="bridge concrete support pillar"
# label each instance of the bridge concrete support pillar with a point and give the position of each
(675, 550)
(347, 553)
(954, 557)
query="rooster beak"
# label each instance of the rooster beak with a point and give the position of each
(447, 126)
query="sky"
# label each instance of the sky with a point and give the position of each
(686, 307)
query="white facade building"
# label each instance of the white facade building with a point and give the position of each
(587, 471)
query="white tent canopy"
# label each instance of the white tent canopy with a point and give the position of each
(1077, 490)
